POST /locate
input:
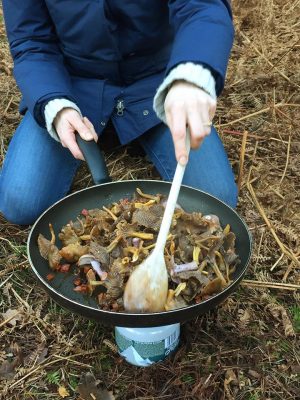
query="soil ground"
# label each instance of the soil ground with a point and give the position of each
(247, 348)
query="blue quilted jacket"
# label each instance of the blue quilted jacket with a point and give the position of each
(108, 54)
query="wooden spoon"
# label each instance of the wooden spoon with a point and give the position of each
(147, 287)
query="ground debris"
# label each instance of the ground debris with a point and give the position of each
(244, 317)
(12, 316)
(230, 380)
(254, 374)
(280, 314)
(62, 391)
(37, 356)
(14, 358)
(89, 390)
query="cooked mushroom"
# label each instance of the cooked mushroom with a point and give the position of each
(213, 222)
(99, 252)
(214, 286)
(90, 278)
(149, 196)
(136, 241)
(89, 259)
(68, 235)
(147, 204)
(174, 302)
(73, 251)
(49, 251)
(149, 217)
(107, 244)
(191, 266)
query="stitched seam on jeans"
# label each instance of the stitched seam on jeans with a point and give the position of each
(156, 157)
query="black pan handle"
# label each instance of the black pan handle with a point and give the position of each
(95, 160)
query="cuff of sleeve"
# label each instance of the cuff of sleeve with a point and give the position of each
(52, 109)
(189, 72)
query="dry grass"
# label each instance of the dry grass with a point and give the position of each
(246, 349)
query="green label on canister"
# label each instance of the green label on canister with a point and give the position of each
(145, 353)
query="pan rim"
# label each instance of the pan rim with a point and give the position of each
(138, 315)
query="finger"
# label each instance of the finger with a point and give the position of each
(176, 119)
(212, 108)
(69, 141)
(88, 123)
(206, 120)
(196, 128)
(81, 128)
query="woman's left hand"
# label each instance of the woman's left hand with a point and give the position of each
(188, 105)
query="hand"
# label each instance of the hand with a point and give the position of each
(66, 123)
(188, 105)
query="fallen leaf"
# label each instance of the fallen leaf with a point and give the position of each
(37, 356)
(230, 377)
(254, 374)
(274, 310)
(62, 391)
(8, 367)
(283, 368)
(295, 369)
(88, 389)
(244, 316)
(279, 313)
(12, 316)
(288, 326)
(43, 355)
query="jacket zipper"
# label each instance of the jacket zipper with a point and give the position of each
(120, 107)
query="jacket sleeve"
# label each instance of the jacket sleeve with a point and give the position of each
(38, 62)
(203, 35)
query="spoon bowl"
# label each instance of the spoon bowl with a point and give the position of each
(147, 288)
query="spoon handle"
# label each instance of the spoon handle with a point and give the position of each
(171, 202)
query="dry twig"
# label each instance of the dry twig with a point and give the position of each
(271, 285)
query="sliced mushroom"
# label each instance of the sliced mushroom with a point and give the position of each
(85, 260)
(89, 259)
(136, 241)
(213, 223)
(174, 302)
(191, 266)
(68, 235)
(91, 277)
(73, 251)
(49, 251)
(214, 286)
(149, 196)
(100, 253)
(142, 205)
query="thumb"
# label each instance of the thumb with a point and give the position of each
(90, 126)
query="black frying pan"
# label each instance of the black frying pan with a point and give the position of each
(61, 288)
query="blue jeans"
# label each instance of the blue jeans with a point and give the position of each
(38, 171)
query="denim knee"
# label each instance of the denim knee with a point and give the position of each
(227, 192)
(224, 189)
(17, 209)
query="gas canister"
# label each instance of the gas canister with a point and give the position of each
(144, 346)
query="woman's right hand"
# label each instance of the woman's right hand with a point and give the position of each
(67, 122)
